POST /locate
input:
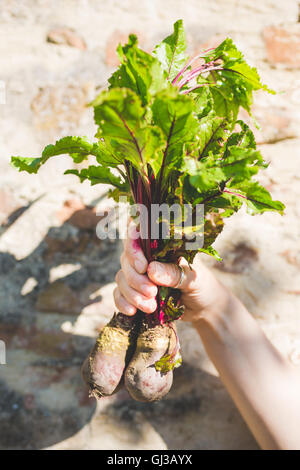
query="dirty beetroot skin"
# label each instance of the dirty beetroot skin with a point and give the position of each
(142, 380)
(103, 368)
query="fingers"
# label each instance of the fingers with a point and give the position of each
(133, 297)
(135, 290)
(169, 275)
(134, 251)
(139, 282)
(122, 305)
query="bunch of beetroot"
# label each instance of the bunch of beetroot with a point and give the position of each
(168, 133)
(127, 349)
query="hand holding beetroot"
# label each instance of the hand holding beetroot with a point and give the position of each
(137, 283)
(136, 290)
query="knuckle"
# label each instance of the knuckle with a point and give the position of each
(117, 276)
(147, 309)
(115, 293)
(130, 309)
(151, 307)
(131, 280)
(117, 299)
(137, 301)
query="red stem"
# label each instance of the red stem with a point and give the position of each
(180, 73)
(234, 194)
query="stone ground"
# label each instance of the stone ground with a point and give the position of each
(56, 277)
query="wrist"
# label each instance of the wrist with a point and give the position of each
(218, 310)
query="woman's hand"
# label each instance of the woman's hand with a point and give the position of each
(137, 283)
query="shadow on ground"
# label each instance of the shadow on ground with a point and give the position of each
(43, 401)
(42, 397)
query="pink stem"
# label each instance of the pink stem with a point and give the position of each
(194, 74)
(185, 92)
(190, 74)
(189, 63)
(184, 68)
(234, 194)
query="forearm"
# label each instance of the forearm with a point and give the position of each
(264, 387)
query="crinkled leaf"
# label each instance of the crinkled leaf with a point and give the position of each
(172, 311)
(168, 246)
(203, 100)
(139, 71)
(257, 198)
(77, 147)
(171, 51)
(31, 165)
(168, 363)
(235, 83)
(228, 203)
(239, 164)
(211, 134)
(212, 252)
(244, 138)
(214, 225)
(120, 116)
(173, 114)
(99, 174)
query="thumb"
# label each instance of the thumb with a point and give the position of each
(169, 275)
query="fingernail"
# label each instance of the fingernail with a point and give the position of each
(151, 305)
(131, 310)
(139, 265)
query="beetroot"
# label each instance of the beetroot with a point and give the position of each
(103, 368)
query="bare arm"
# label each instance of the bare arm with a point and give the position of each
(263, 385)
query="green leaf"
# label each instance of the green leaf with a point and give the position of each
(229, 204)
(203, 99)
(119, 113)
(214, 225)
(224, 102)
(168, 362)
(31, 165)
(238, 164)
(235, 83)
(172, 311)
(211, 134)
(152, 142)
(121, 119)
(139, 71)
(257, 198)
(212, 252)
(171, 51)
(241, 164)
(98, 174)
(174, 115)
(245, 138)
(77, 147)
(250, 75)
